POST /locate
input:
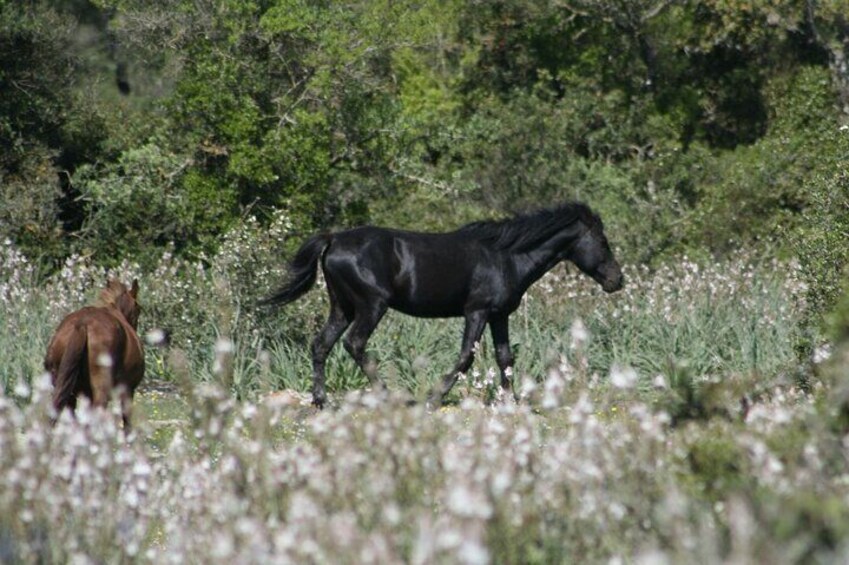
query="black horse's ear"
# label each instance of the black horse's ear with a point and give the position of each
(134, 290)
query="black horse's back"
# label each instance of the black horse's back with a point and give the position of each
(303, 271)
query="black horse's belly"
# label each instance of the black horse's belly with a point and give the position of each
(424, 309)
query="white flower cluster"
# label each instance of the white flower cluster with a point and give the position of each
(374, 484)
(593, 478)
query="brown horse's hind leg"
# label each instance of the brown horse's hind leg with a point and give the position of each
(100, 377)
(125, 396)
(100, 395)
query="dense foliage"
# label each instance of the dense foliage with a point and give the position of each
(701, 125)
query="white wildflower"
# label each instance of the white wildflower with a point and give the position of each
(579, 334)
(155, 337)
(553, 390)
(623, 376)
(472, 552)
(142, 468)
(466, 502)
(21, 390)
(822, 353)
(224, 346)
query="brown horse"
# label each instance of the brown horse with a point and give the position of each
(96, 349)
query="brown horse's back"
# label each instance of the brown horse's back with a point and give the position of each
(94, 350)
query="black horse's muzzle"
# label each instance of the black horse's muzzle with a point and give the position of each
(613, 285)
(612, 281)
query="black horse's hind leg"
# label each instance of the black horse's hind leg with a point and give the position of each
(336, 325)
(503, 354)
(365, 321)
(475, 323)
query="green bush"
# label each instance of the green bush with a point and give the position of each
(821, 239)
(838, 320)
(757, 192)
(144, 201)
(29, 215)
(716, 462)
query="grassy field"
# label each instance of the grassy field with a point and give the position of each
(671, 422)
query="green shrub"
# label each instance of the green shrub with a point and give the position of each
(821, 240)
(756, 192)
(817, 524)
(838, 320)
(49, 124)
(29, 215)
(717, 462)
(144, 201)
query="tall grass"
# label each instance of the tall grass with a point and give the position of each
(686, 316)
(708, 320)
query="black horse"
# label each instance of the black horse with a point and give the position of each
(479, 271)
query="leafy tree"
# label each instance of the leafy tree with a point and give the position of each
(759, 191)
(48, 125)
(632, 18)
(290, 102)
(693, 125)
(146, 200)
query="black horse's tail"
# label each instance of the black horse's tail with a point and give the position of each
(302, 271)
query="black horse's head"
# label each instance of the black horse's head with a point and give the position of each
(592, 254)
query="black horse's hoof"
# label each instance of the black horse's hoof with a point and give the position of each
(434, 400)
(410, 402)
(407, 400)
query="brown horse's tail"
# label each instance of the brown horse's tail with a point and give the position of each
(302, 271)
(70, 368)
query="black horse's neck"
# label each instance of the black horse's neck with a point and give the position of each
(532, 264)
(537, 241)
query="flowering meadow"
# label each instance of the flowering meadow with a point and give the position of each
(671, 422)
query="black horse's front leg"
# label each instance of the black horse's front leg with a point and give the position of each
(475, 323)
(503, 354)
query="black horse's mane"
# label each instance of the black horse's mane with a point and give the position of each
(526, 230)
